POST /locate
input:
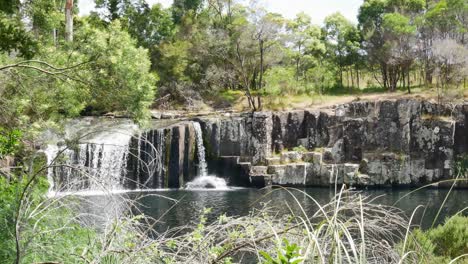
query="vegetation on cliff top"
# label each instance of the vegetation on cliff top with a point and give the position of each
(122, 57)
(109, 61)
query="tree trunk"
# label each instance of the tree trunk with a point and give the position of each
(393, 77)
(341, 76)
(383, 69)
(402, 79)
(298, 63)
(54, 36)
(408, 78)
(262, 51)
(69, 21)
(347, 78)
(357, 76)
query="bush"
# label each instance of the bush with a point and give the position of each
(9, 142)
(119, 74)
(450, 239)
(443, 243)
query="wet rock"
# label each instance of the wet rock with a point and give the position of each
(351, 173)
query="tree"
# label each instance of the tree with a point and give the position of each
(149, 26)
(10, 6)
(119, 75)
(69, 20)
(253, 44)
(400, 47)
(111, 9)
(451, 59)
(381, 23)
(441, 19)
(307, 46)
(181, 8)
(15, 38)
(343, 42)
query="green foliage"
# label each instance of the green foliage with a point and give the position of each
(46, 16)
(282, 81)
(14, 37)
(461, 166)
(10, 190)
(397, 24)
(300, 149)
(149, 26)
(9, 142)
(45, 234)
(181, 8)
(119, 74)
(8, 203)
(440, 244)
(9, 6)
(286, 254)
(451, 238)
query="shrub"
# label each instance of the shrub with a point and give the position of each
(443, 243)
(9, 142)
(451, 238)
(119, 74)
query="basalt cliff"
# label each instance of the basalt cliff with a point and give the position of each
(383, 143)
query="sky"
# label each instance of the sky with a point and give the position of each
(317, 9)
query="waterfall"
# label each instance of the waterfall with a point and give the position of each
(202, 167)
(51, 152)
(204, 181)
(101, 155)
(96, 162)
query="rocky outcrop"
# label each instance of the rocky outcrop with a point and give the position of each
(383, 143)
(162, 158)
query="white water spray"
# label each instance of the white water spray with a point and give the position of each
(204, 181)
(97, 162)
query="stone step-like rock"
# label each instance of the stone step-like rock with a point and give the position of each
(291, 156)
(289, 174)
(388, 142)
(258, 170)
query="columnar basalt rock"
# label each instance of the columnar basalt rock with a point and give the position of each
(383, 143)
(162, 157)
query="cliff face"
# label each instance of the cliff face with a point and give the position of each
(403, 142)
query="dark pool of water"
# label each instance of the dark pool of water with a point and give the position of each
(240, 202)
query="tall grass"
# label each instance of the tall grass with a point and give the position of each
(350, 228)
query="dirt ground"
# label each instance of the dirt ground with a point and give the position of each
(312, 102)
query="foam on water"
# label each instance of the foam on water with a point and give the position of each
(207, 182)
(204, 181)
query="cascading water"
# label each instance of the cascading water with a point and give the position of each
(103, 155)
(203, 180)
(202, 167)
(96, 162)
